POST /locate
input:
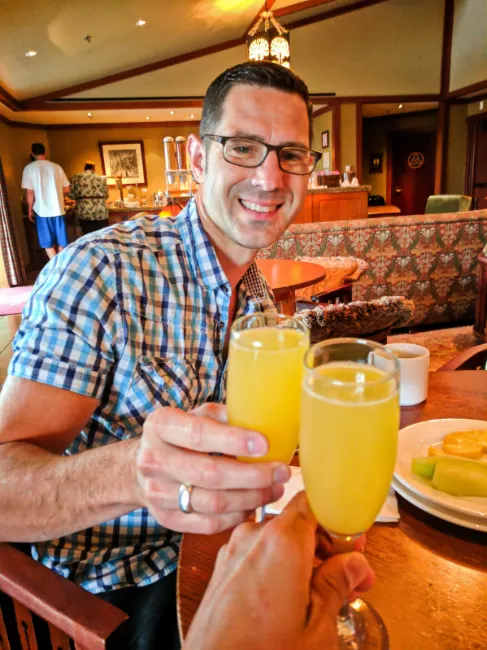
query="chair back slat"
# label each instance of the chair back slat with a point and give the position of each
(25, 627)
(4, 642)
(59, 640)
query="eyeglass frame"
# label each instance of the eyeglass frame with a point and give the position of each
(223, 139)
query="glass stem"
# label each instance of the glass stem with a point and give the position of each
(259, 515)
(346, 628)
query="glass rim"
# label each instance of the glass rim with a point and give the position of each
(373, 345)
(299, 325)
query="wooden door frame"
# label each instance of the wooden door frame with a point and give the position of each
(472, 122)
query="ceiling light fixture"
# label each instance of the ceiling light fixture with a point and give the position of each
(147, 118)
(31, 53)
(191, 116)
(271, 43)
(400, 106)
(90, 114)
(171, 112)
(141, 22)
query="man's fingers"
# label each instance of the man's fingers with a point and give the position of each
(210, 472)
(164, 495)
(337, 578)
(205, 431)
(196, 523)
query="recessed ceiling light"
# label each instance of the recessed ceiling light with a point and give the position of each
(191, 116)
(31, 53)
(400, 106)
(147, 118)
(90, 114)
(171, 112)
(141, 22)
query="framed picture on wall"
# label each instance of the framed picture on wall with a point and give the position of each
(325, 139)
(375, 163)
(125, 159)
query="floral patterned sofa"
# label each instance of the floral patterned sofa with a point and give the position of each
(430, 259)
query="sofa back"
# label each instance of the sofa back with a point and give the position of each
(431, 259)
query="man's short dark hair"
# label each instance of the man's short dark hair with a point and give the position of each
(89, 166)
(262, 74)
(38, 149)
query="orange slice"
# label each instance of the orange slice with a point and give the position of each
(467, 444)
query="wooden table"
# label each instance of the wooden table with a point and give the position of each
(431, 587)
(382, 210)
(285, 276)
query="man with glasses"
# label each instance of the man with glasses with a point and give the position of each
(123, 349)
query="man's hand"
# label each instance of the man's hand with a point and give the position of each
(30, 216)
(176, 448)
(268, 590)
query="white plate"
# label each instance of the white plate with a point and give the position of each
(442, 513)
(414, 441)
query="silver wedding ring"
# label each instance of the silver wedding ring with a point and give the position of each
(185, 491)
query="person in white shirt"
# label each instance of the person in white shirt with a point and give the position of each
(46, 183)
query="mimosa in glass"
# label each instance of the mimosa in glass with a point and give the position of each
(265, 370)
(347, 448)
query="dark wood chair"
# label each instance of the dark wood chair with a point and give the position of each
(472, 359)
(70, 617)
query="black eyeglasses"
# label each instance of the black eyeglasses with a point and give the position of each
(245, 152)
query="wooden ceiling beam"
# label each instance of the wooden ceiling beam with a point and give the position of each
(467, 90)
(7, 99)
(303, 22)
(116, 104)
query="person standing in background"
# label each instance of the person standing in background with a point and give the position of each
(46, 183)
(90, 192)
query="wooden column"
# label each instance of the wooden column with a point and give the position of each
(444, 107)
(335, 137)
(358, 166)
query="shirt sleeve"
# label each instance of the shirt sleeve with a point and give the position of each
(70, 324)
(27, 179)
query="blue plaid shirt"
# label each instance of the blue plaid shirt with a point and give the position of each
(136, 316)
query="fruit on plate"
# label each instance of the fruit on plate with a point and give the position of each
(455, 476)
(467, 444)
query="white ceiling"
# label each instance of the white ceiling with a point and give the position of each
(56, 29)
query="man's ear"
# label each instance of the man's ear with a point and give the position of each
(197, 157)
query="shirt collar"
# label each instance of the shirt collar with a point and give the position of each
(202, 254)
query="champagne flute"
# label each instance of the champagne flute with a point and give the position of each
(347, 450)
(265, 371)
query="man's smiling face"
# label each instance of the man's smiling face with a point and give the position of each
(252, 207)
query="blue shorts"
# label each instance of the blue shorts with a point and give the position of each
(51, 231)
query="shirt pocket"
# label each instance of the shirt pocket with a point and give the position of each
(156, 382)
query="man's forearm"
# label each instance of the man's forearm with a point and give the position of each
(45, 496)
(29, 197)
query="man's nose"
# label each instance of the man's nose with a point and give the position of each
(269, 176)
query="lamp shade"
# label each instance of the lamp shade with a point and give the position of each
(269, 41)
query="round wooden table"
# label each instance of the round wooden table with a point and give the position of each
(285, 276)
(431, 587)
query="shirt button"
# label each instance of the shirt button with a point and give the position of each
(221, 324)
(224, 288)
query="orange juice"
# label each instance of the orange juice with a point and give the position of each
(348, 442)
(265, 370)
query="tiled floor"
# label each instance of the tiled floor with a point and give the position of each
(8, 327)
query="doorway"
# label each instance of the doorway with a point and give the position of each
(476, 185)
(410, 170)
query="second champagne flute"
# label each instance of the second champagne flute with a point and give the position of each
(265, 370)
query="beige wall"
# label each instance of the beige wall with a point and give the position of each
(71, 147)
(320, 124)
(457, 149)
(390, 48)
(15, 146)
(469, 49)
(374, 134)
(474, 108)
